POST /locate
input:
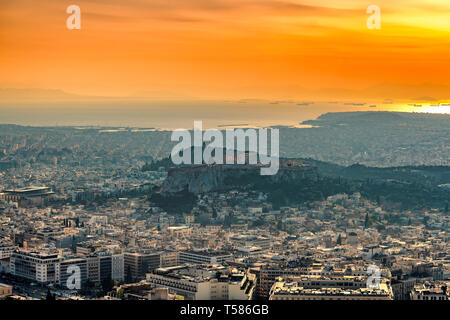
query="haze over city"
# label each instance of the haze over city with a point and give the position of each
(148, 56)
(318, 168)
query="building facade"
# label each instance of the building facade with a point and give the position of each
(39, 267)
(203, 257)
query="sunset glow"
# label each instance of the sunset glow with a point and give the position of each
(228, 49)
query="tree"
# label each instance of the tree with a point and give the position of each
(49, 296)
(120, 294)
(146, 167)
(128, 277)
(339, 240)
(228, 220)
(204, 220)
(107, 285)
(90, 284)
(366, 221)
(279, 225)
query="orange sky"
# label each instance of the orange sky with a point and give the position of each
(228, 49)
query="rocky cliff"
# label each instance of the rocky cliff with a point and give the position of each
(205, 178)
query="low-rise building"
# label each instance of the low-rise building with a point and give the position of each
(5, 290)
(203, 257)
(206, 282)
(329, 288)
(438, 291)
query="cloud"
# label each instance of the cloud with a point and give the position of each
(305, 103)
(354, 104)
(426, 99)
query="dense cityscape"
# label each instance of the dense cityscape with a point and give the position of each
(102, 213)
(221, 159)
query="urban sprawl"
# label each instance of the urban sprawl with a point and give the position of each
(76, 224)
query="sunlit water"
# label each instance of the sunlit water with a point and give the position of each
(149, 116)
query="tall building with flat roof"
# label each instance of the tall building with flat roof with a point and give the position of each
(137, 264)
(66, 272)
(93, 269)
(204, 282)
(40, 267)
(117, 267)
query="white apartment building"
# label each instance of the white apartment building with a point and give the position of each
(39, 267)
(195, 286)
(313, 287)
(203, 257)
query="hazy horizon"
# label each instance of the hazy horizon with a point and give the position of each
(234, 49)
(171, 115)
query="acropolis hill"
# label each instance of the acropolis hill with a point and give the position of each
(204, 178)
